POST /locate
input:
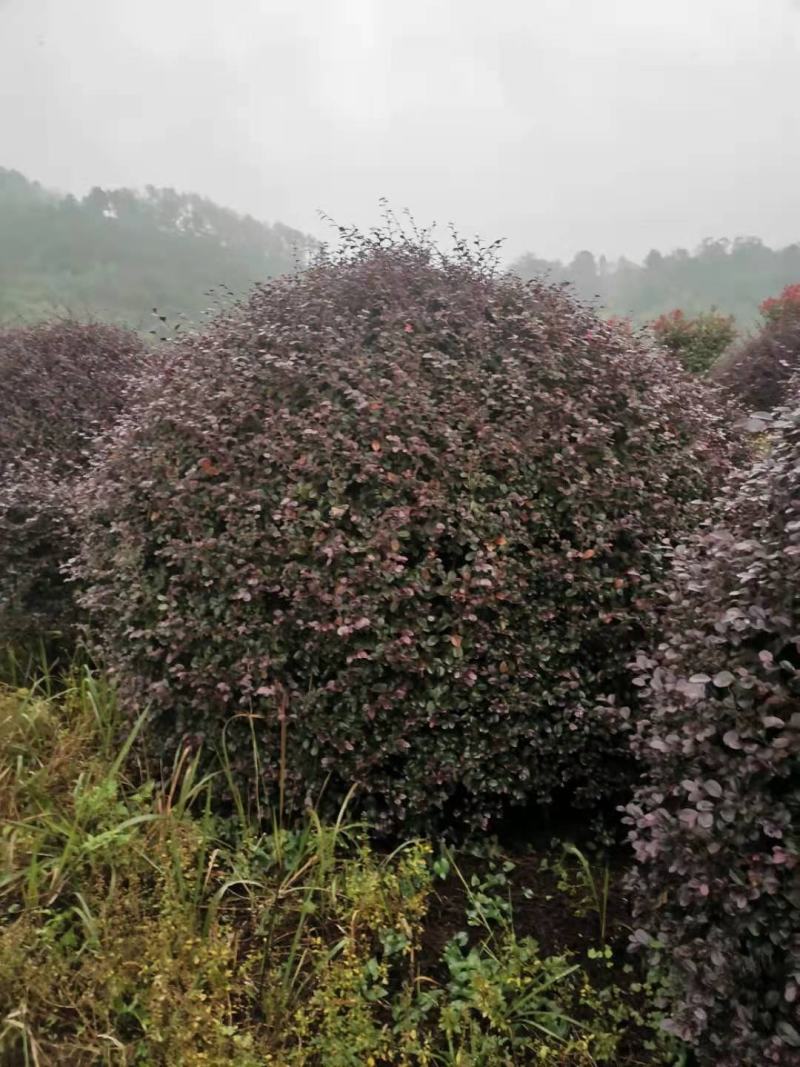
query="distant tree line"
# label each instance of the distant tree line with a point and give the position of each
(731, 276)
(116, 254)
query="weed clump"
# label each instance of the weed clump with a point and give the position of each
(715, 828)
(138, 925)
(396, 518)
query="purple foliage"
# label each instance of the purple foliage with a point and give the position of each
(758, 372)
(61, 383)
(407, 511)
(715, 827)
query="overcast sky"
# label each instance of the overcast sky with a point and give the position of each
(612, 125)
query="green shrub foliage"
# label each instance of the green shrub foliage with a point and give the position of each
(61, 383)
(697, 341)
(758, 373)
(396, 517)
(717, 889)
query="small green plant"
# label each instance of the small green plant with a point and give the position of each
(585, 885)
(502, 997)
(595, 885)
(488, 895)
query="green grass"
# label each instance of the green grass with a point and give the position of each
(140, 925)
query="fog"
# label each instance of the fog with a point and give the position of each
(612, 125)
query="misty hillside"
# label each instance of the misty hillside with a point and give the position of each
(117, 254)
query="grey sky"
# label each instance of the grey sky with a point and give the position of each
(614, 125)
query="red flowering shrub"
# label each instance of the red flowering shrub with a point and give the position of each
(697, 341)
(787, 305)
(758, 372)
(397, 514)
(620, 323)
(60, 383)
(716, 827)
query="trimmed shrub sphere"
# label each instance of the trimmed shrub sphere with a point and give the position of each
(758, 373)
(394, 520)
(716, 826)
(61, 383)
